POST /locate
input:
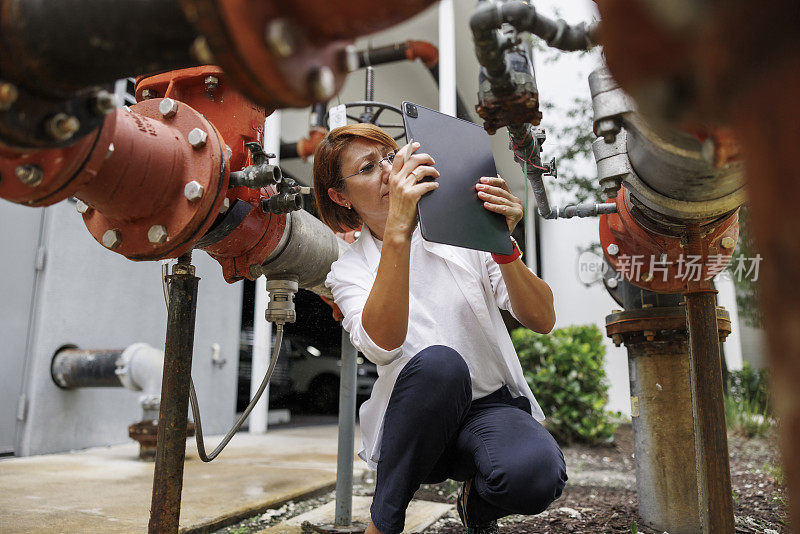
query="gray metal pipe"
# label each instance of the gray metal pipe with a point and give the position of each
(489, 16)
(347, 422)
(306, 251)
(663, 435)
(590, 209)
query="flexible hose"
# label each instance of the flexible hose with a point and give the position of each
(198, 426)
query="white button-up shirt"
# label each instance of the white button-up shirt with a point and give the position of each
(454, 300)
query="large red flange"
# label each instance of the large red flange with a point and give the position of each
(159, 184)
(664, 263)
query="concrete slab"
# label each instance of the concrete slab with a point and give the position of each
(108, 489)
(419, 516)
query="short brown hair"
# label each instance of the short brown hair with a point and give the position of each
(328, 171)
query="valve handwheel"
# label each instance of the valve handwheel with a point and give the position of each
(371, 116)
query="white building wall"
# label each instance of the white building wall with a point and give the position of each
(93, 298)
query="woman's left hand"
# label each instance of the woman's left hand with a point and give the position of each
(497, 197)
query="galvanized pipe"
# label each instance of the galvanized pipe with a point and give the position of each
(711, 441)
(171, 449)
(347, 423)
(663, 444)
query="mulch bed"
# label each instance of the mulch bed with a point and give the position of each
(609, 504)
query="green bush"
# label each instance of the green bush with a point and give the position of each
(565, 370)
(747, 407)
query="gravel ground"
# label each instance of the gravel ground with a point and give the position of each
(600, 496)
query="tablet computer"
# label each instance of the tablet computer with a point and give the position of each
(453, 214)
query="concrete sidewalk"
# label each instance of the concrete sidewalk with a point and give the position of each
(108, 489)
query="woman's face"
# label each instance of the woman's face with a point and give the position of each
(366, 183)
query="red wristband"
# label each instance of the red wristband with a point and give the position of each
(502, 259)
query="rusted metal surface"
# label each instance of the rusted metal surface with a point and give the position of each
(290, 54)
(663, 433)
(637, 324)
(766, 119)
(146, 434)
(173, 414)
(711, 441)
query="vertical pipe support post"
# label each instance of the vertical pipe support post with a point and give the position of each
(708, 407)
(347, 423)
(171, 448)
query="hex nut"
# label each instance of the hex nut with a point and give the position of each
(104, 102)
(147, 94)
(81, 206)
(612, 282)
(112, 239)
(281, 37)
(727, 242)
(607, 129)
(193, 191)
(197, 138)
(351, 61)
(62, 126)
(157, 234)
(212, 83)
(226, 204)
(322, 83)
(612, 249)
(8, 95)
(168, 108)
(31, 175)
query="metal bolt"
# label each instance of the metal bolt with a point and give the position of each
(148, 94)
(110, 150)
(201, 51)
(607, 129)
(81, 206)
(197, 138)
(727, 242)
(612, 249)
(193, 191)
(649, 335)
(281, 37)
(212, 83)
(168, 108)
(226, 204)
(8, 95)
(709, 150)
(322, 83)
(31, 175)
(112, 239)
(157, 234)
(254, 271)
(647, 278)
(612, 283)
(351, 60)
(62, 126)
(617, 339)
(104, 102)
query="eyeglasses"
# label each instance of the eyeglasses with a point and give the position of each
(370, 168)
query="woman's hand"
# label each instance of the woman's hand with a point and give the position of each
(405, 189)
(497, 197)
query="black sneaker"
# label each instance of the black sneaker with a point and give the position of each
(461, 507)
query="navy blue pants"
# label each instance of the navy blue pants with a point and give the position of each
(434, 431)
